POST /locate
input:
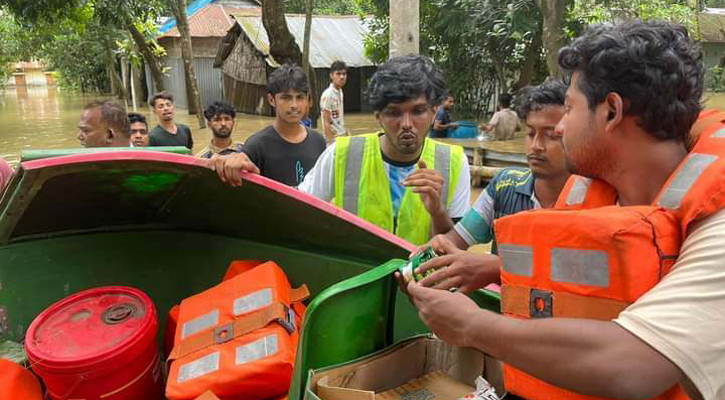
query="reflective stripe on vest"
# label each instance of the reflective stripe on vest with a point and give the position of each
(518, 260)
(720, 133)
(579, 191)
(583, 267)
(362, 187)
(686, 176)
(353, 168)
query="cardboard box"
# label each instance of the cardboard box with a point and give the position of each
(420, 368)
(208, 395)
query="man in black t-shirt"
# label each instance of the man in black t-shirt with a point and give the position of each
(168, 133)
(286, 150)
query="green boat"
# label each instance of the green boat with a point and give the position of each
(164, 223)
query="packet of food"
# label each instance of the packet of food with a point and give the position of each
(484, 391)
(408, 270)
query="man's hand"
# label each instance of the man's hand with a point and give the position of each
(231, 167)
(455, 268)
(453, 125)
(428, 184)
(447, 314)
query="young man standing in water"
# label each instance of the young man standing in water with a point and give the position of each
(332, 105)
(104, 124)
(398, 178)
(167, 132)
(139, 130)
(220, 119)
(286, 150)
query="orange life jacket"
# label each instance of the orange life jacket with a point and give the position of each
(17, 382)
(588, 258)
(238, 339)
(172, 318)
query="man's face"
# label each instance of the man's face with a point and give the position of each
(164, 110)
(92, 132)
(584, 151)
(406, 124)
(221, 125)
(139, 134)
(290, 106)
(338, 78)
(448, 103)
(544, 149)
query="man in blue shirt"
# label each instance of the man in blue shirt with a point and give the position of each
(517, 189)
(442, 121)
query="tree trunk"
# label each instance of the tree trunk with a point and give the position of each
(192, 89)
(404, 27)
(314, 111)
(120, 91)
(282, 45)
(308, 32)
(152, 61)
(531, 56)
(498, 65)
(552, 12)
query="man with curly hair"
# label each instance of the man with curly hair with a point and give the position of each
(630, 132)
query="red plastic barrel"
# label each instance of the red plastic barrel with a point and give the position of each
(98, 344)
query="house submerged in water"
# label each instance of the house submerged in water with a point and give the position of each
(244, 60)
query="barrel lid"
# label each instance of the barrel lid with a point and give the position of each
(91, 326)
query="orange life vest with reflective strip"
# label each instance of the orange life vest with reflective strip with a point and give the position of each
(588, 258)
(238, 339)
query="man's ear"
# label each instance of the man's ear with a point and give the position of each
(270, 99)
(110, 135)
(614, 108)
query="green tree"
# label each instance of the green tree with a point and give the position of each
(11, 49)
(483, 47)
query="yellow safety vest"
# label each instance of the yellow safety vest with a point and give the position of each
(362, 186)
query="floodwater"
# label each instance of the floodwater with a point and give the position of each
(47, 118)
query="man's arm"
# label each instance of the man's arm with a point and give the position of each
(320, 181)
(191, 139)
(330, 135)
(591, 357)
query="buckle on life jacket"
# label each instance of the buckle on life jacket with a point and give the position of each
(224, 333)
(540, 304)
(289, 322)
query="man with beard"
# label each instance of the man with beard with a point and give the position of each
(516, 189)
(168, 133)
(620, 291)
(220, 118)
(286, 150)
(398, 178)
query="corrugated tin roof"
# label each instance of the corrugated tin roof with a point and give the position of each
(207, 19)
(332, 38)
(712, 27)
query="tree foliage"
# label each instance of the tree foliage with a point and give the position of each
(482, 46)
(330, 7)
(11, 49)
(587, 12)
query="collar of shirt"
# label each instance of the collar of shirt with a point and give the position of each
(337, 91)
(217, 150)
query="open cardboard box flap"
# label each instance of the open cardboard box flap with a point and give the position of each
(208, 395)
(398, 365)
